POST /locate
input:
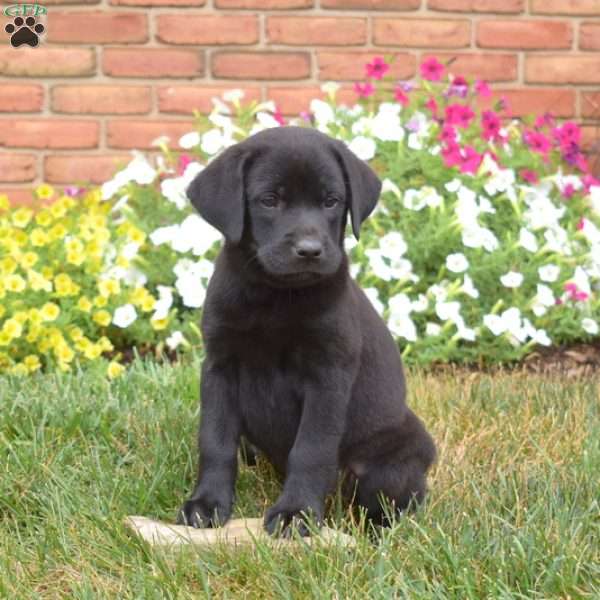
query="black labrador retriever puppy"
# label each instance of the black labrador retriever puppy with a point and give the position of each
(297, 360)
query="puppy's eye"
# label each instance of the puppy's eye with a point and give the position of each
(269, 200)
(331, 202)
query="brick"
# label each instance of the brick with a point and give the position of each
(261, 65)
(590, 104)
(344, 66)
(141, 134)
(530, 35)
(207, 29)
(157, 2)
(56, 2)
(97, 27)
(152, 62)
(535, 101)
(422, 33)
(20, 196)
(565, 7)
(329, 31)
(49, 133)
(83, 168)
(101, 99)
(478, 6)
(17, 168)
(292, 101)
(371, 4)
(488, 67)
(21, 97)
(589, 36)
(590, 142)
(47, 62)
(264, 4)
(560, 68)
(186, 99)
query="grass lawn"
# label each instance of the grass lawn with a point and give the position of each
(513, 512)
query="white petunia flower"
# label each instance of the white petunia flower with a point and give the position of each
(330, 88)
(189, 140)
(400, 304)
(349, 243)
(541, 337)
(323, 113)
(164, 235)
(468, 287)
(590, 326)
(528, 240)
(454, 185)
(512, 279)
(595, 199)
(448, 311)
(420, 304)
(433, 329)
(414, 200)
(363, 147)
(402, 326)
(355, 270)
(266, 120)
(163, 304)
(543, 300)
(233, 96)
(549, 273)
(495, 324)
(457, 262)
(392, 245)
(175, 339)
(431, 197)
(387, 185)
(415, 141)
(379, 267)
(191, 290)
(373, 296)
(438, 292)
(124, 316)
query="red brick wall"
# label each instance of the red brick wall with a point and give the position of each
(112, 75)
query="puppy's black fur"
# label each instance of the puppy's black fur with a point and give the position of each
(297, 360)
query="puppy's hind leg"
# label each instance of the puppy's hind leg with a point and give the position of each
(399, 476)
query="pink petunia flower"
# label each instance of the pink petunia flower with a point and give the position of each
(364, 90)
(306, 116)
(400, 96)
(567, 134)
(432, 69)
(590, 181)
(378, 68)
(451, 154)
(538, 142)
(432, 106)
(459, 114)
(278, 116)
(448, 134)
(575, 293)
(184, 161)
(568, 191)
(491, 125)
(482, 89)
(471, 160)
(529, 176)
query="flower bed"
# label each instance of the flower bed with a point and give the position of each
(485, 243)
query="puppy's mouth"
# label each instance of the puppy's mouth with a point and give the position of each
(299, 279)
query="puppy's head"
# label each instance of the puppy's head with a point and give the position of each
(283, 196)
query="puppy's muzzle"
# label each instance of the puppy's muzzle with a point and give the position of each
(308, 249)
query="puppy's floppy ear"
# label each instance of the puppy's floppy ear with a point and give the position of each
(217, 193)
(362, 184)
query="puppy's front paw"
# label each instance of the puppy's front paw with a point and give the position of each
(200, 512)
(282, 519)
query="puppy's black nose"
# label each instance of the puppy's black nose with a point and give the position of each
(308, 248)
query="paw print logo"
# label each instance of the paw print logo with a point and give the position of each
(24, 31)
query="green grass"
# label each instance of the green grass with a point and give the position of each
(513, 511)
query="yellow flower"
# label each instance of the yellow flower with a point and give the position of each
(29, 259)
(100, 301)
(108, 287)
(84, 304)
(114, 370)
(34, 316)
(44, 191)
(158, 324)
(148, 303)
(8, 265)
(19, 370)
(74, 245)
(50, 311)
(2, 292)
(20, 316)
(12, 328)
(65, 286)
(102, 317)
(57, 232)
(75, 258)
(92, 351)
(38, 282)
(63, 366)
(137, 235)
(38, 237)
(75, 333)
(20, 237)
(47, 272)
(58, 210)
(14, 283)
(63, 353)
(32, 362)
(43, 218)
(34, 333)
(122, 261)
(105, 344)
(21, 217)
(4, 203)
(5, 338)
(138, 295)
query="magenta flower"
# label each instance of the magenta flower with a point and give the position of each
(72, 191)
(278, 116)
(451, 154)
(432, 105)
(581, 225)
(544, 120)
(306, 116)
(569, 133)
(575, 293)
(184, 161)
(590, 181)
(568, 191)
(529, 176)
(459, 114)
(364, 90)
(378, 68)
(432, 69)
(448, 134)
(491, 125)
(482, 89)
(471, 160)
(459, 87)
(538, 142)
(400, 96)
